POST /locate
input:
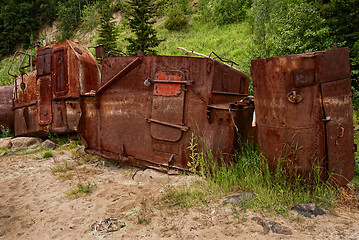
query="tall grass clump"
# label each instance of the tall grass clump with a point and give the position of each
(248, 171)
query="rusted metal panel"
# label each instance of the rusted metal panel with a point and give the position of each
(146, 114)
(60, 79)
(292, 94)
(47, 99)
(6, 114)
(337, 103)
(44, 101)
(44, 61)
(167, 107)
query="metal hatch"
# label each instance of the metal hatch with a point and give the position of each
(168, 106)
(44, 104)
(337, 104)
(60, 78)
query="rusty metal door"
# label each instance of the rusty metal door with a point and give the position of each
(60, 79)
(44, 86)
(337, 106)
(43, 61)
(168, 106)
(44, 101)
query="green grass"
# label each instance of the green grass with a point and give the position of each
(47, 155)
(355, 181)
(62, 167)
(81, 189)
(231, 41)
(5, 78)
(249, 171)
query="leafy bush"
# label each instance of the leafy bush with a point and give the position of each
(224, 11)
(47, 155)
(176, 19)
(285, 27)
(5, 132)
(301, 28)
(5, 78)
(90, 17)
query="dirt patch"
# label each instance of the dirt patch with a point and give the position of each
(34, 204)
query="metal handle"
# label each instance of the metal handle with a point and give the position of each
(295, 97)
(183, 128)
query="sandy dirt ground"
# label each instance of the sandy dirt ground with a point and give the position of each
(34, 205)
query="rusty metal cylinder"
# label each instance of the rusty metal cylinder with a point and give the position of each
(303, 111)
(6, 114)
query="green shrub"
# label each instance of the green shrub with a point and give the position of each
(176, 19)
(5, 132)
(224, 11)
(80, 189)
(47, 155)
(90, 17)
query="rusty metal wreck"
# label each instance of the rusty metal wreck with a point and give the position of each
(304, 113)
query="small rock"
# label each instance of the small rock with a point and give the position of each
(31, 150)
(49, 144)
(3, 154)
(5, 142)
(308, 209)
(21, 143)
(244, 196)
(271, 225)
(81, 151)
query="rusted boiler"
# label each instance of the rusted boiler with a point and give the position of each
(304, 112)
(48, 98)
(6, 113)
(148, 108)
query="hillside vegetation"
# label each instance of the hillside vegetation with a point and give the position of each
(240, 30)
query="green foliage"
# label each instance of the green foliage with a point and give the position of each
(140, 14)
(20, 20)
(107, 32)
(47, 155)
(5, 132)
(69, 13)
(80, 189)
(301, 28)
(288, 27)
(176, 18)
(354, 66)
(90, 17)
(343, 20)
(250, 172)
(5, 78)
(224, 11)
(62, 167)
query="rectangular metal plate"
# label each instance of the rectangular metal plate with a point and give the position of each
(60, 72)
(167, 106)
(168, 89)
(43, 61)
(337, 104)
(44, 101)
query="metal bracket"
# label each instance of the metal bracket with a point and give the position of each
(147, 82)
(181, 127)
